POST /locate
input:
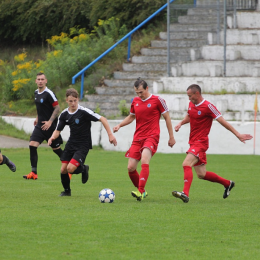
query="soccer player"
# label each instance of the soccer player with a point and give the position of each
(200, 116)
(45, 123)
(5, 160)
(78, 119)
(147, 110)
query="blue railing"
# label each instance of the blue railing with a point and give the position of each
(81, 73)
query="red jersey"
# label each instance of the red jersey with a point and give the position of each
(147, 114)
(201, 117)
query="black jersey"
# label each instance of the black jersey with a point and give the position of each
(79, 123)
(45, 103)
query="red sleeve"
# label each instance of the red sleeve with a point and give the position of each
(55, 103)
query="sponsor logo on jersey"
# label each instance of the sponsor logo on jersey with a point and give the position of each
(41, 100)
(189, 108)
(137, 105)
(193, 150)
(152, 147)
(199, 112)
(149, 105)
(76, 120)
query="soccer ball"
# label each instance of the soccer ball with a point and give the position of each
(106, 195)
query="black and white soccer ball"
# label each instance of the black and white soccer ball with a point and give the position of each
(106, 196)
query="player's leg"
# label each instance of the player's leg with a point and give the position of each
(65, 180)
(33, 145)
(132, 172)
(5, 160)
(202, 173)
(56, 144)
(187, 164)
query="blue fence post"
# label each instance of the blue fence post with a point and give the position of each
(129, 48)
(194, 3)
(82, 85)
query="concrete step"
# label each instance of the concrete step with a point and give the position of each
(237, 36)
(145, 67)
(224, 103)
(205, 68)
(191, 43)
(163, 51)
(233, 52)
(193, 27)
(113, 99)
(213, 85)
(160, 59)
(126, 83)
(207, 10)
(199, 19)
(185, 35)
(143, 74)
(115, 90)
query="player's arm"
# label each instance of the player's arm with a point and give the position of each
(184, 121)
(54, 136)
(168, 121)
(111, 137)
(35, 121)
(128, 120)
(228, 126)
(55, 113)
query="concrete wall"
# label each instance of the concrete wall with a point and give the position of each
(221, 140)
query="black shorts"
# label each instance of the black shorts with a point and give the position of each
(39, 135)
(78, 153)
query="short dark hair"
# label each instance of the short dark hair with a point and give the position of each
(194, 88)
(72, 92)
(139, 82)
(40, 74)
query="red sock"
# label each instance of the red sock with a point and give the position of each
(188, 177)
(144, 174)
(213, 177)
(134, 176)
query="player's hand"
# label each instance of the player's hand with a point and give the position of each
(116, 128)
(50, 141)
(244, 137)
(46, 125)
(35, 122)
(177, 127)
(171, 142)
(112, 139)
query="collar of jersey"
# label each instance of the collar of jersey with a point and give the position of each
(196, 105)
(147, 98)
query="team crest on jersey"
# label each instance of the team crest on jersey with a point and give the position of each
(199, 112)
(137, 105)
(149, 105)
(41, 100)
(76, 120)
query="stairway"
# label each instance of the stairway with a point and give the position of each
(190, 33)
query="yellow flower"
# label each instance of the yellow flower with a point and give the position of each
(20, 57)
(2, 62)
(56, 53)
(100, 22)
(14, 73)
(83, 37)
(18, 83)
(26, 65)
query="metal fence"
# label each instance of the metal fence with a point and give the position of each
(242, 4)
(218, 10)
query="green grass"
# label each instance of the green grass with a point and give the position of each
(38, 224)
(10, 130)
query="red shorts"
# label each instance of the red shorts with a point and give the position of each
(137, 147)
(199, 150)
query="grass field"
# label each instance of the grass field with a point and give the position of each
(38, 224)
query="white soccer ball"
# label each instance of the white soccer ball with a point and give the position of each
(106, 195)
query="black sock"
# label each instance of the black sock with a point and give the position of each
(78, 170)
(34, 158)
(58, 152)
(5, 160)
(65, 181)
